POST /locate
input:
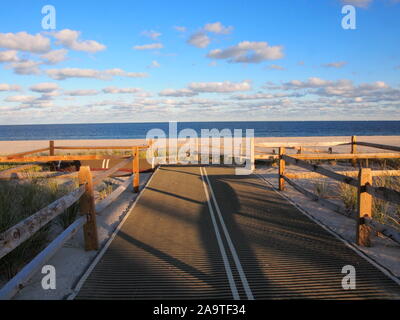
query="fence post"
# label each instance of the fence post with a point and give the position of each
(135, 168)
(51, 146)
(252, 156)
(281, 169)
(87, 207)
(198, 151)
(354, 149)
(364, 208)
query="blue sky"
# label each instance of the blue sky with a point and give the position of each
(134, 61)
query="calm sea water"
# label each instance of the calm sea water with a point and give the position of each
(139, 130)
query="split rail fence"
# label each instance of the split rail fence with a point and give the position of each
(361, 179)
(84, 195)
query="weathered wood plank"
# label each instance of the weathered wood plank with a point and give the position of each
(20, 280)
(136, 169)
(7, 172)
(321, 170)
(322, 201)
(100, 147)
(88, 209)
(22, 231)
(61, 158)
(364, 208)
(311, 175)
(51, 148)
(301, 144)
(103, 175)
(101, 205)
(266, 157)
(353, 150)
(21, 154)
(384, 229)
(281, 168)
(349, 156)
(383, 193)
(379, 146)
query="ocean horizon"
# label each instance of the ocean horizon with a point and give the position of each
(87, 131)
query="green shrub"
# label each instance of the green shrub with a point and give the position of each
(348, 194)
(321, 188)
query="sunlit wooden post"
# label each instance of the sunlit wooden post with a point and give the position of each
(51, 148)
(135, 168)
(354, 149)
(281, 168)
(252, 155)
(364, 208)
(198, 151)
(87, 207)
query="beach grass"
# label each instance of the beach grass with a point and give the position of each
(19, 200)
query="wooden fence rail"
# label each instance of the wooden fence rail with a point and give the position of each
(365, 192)
(347, 156)
(321, 170)
(21, 154)
(61, 158)
(14, 236)
(312, 175)
(378, 146)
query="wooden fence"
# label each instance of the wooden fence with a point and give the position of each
(361, 179)
(84, 195)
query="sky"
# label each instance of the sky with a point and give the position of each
(198, 60)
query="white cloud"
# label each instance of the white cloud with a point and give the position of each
(62, 74)
(220, 87)
(177, 93)
(338, 64)
(180, 28)
(248, 52)
(358, 3)
(218, 28)
(20, 98)
(150, 46)
(44, 87)
(55, 56)
(69, 39)
(23, 41)
(260, 96)
(8, 56)
(83, 92)
(199, 40)
(151, 34)
(9, 87)
(25, 67)
(275, 67)
(310, 83)
(115, 90)
(154, 64)
(377, 91)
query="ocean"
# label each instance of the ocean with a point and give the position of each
(139, 130)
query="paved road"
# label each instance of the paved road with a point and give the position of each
(202, 232)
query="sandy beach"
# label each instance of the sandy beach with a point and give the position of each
(9, 147)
